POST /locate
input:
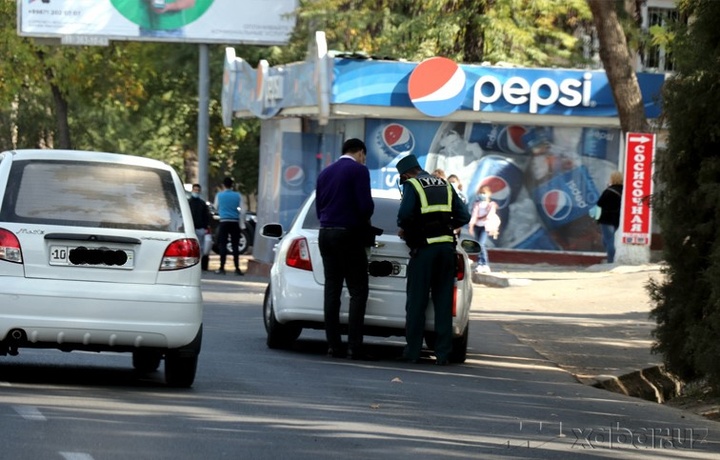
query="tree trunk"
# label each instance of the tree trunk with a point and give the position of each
(61, 117)
(473, 37)
(618, 63)
(61, 107)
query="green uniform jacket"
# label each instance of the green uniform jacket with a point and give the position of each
(410, 214)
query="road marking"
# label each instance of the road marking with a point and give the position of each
(5, 384)
(76, 456)
(30, 413)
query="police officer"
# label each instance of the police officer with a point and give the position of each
(429, 213)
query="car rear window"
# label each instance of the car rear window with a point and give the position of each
(384, 216)
(91, 194)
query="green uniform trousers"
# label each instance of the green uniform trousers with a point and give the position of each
(431, 272)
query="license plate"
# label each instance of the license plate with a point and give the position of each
(384, 268)
(80, 256)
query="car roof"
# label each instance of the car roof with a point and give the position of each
(86, 155)
(383, 193)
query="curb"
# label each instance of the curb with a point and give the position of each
(488, 279)
(651, 384)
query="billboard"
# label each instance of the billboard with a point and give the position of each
(261, 22)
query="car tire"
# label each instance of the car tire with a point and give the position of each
(278, 335)
(146, 361)
(180, 369)
(459, 347)
(243, 243)
(181, 363)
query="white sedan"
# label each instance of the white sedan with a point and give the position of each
(294, 297)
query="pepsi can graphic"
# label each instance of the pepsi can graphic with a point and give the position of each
(565, 197)
(600, 143)
(499, 138)
(503, 177)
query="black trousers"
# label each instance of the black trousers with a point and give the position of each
(228, 228)
(344, 260)
(431, 273)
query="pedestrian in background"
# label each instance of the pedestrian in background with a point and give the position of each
(429, 213)
(483, 222)
(344, 207)
(228, 204)
(201, 220)
(610, 202)
(454, 180)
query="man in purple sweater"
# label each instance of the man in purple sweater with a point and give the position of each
(344, 206)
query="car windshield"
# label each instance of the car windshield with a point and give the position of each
(384, 216)
(91, 194)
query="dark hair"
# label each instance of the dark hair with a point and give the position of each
(196, 185)
(228, 182)
(353, 145)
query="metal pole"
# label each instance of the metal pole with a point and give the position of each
(203, 118)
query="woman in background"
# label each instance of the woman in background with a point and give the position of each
(483, 208)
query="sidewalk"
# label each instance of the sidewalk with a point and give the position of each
(592, 321)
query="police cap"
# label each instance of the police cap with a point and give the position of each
(407, 163)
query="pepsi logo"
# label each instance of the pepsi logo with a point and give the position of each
(511, 140)
(293, 176)
(397, 139)
(556, 204)
(437, 87)
(501, 190)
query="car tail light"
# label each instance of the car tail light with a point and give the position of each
(460, 275)
(298, 256)
(10, 247)
(454, 305)
(181, 254)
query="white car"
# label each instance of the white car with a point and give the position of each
(98, 252)
(294, 297)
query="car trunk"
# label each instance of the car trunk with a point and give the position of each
(93, 254)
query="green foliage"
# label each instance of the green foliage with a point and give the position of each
(687, 301)
(522, 32)
(130, 97)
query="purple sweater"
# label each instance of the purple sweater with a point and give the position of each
(343, 196)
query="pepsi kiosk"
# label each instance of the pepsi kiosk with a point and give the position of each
(544, 140)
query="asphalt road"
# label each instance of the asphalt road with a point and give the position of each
(250, 402)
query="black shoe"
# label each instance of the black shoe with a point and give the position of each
(442, 362)
(336, 353)
(361, 356)
(220, 271)
(238, 272)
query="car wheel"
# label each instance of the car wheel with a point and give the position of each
(243, 243)
(181, 363)
(146, 360)
(180, 369)
(278, 335)
(459, 347)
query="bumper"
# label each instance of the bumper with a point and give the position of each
(76, 314)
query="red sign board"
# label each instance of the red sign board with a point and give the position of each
(637, 188)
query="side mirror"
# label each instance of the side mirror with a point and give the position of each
(272, 231)
(470, 246)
